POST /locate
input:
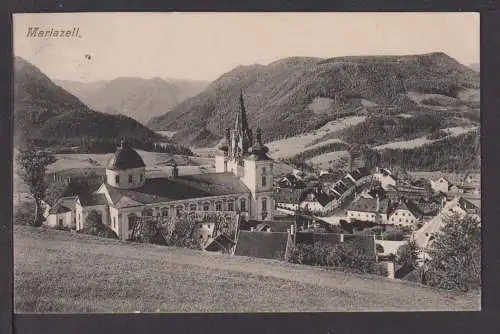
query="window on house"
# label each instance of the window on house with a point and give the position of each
(230, 206)
(264, 181)
(243, 205)
(114, 222)
(192, 207)
(201, 236)
(148, 212)
(164, 212)
(264, 170)
(206, 206)
(130, 179)
(117, 179)
(264, 205)
(142, 177)
(178, 210)
(218, 206)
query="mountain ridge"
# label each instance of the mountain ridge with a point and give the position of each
(135, 97)
(48, 114)
(282, 92)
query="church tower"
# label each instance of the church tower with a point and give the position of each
(248, 160)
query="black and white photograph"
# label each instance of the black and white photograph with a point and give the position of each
(246, 162)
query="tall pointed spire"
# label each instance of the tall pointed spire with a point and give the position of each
(242, 126)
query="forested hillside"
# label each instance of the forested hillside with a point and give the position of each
(301, 94)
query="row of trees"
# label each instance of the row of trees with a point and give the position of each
(88, 144)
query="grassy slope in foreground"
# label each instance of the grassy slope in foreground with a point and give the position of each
(61, 272)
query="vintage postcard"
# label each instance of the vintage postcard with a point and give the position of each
(246, 162)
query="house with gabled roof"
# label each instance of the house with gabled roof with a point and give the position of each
(266, 245)
(442, 184)
(405, 213)
(385, 177)
(61, 214)
(367, 209)
(319, 201)
(288, 198)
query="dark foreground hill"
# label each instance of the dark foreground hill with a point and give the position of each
(89, 274)
(50, 115)
(138, 98)
(296, 95)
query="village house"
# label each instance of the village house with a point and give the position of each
(385, 177)
(242, 183)
(442, 184)
(405, 213)
(319, 202)
(62, 213)
(370, 210)
(288, 198)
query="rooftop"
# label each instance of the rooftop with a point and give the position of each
(267, 245)
(369, 205)
(125, 158)
(183, 187)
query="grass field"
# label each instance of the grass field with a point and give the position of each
(289, 147)
(63, 272)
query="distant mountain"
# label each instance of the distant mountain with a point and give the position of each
(476, 67)
(138, 98)
(47, 113)
(297, 95)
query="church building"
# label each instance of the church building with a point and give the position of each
(242, 183)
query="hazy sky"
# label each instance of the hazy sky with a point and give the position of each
(206, 45)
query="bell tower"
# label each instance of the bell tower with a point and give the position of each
(248, 160)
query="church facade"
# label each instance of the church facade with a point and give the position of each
(242, 183)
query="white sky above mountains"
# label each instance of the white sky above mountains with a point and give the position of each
(203, 46)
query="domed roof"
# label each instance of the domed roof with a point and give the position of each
(125, 158)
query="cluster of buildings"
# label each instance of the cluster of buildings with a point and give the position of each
(244, 186)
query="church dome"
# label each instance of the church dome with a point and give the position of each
(125, 158)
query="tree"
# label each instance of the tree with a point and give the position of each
(93, 221)
(407, 255)
(455, 255)
(32, 165)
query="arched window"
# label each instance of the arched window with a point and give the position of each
(193, 207)
(243, 205)
(230, 205)
(206, 206)
(164, 212)
(178, 210)
(218, 206)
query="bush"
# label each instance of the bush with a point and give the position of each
(24, 213)
(455, 256)
(341, 256)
